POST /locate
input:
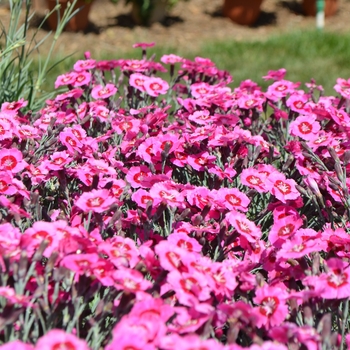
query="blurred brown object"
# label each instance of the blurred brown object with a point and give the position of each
(244, 12)
(78, 23)
(330, 7)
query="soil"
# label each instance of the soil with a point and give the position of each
(189, 25)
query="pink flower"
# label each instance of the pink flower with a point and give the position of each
(143, 45)
(282, 188)
(281, 89)
(306, 127)
(82, 78)
(272, 309)
(156, 86)
(136, 175)
(80, 263)
(137, 80)
(16, 345)
(13, 107)
(97, 201)
(58, 339)
(201, 160)
(199, 90)
(182, 240)
(254, 179)
(275, 74)
(244, 226)
(343, 87)
(162, 192)
(171, 59)
(232, 199)
(12, 160)
(83, 65)
(12, 298)
(130, 280)
(190, 288)
(103, 92)
(65, 79)
(335, 283)
(69, 140)
(297, 102)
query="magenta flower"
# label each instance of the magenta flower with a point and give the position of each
(335, 283)
(97, 201)
(16, 345)
(80, 263)
(136, 175)
(281, 89)
(343, 87)
(297, 103)
(190, 288)
(12, 160)
(69, 140)
(244, 226)
(58, 339)
(156, 86)
(306, 127)
(275, 74)
(163, 192)
(137, 81)
(254, 179)
(282, 188)
(130, 280)
(272, 308)
(83, 65)
(232, 199)
(102, 92)
(171, 59)
(82, 78)
(65, 79)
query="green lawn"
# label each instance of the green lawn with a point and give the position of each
(319, 55)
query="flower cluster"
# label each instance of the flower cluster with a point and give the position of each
(144, 214)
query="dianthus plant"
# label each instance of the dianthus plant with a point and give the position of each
(143, 213)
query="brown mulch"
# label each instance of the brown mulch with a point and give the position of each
(188, 26)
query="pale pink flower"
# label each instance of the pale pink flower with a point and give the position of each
(97, 201)
(102, 92)
(58, 339)
(156, 86)
(12, 298)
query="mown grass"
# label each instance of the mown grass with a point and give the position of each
(323, 56)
